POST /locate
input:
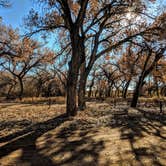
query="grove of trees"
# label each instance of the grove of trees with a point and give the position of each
(106, 48)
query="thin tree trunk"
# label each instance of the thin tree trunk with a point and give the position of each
(21, 88)
(108, 91)
(157, 89)
(96, 92)
(117, 92)
(90, 88)
(136, 95)
(126, 89)
(39, 88)
(138, 90)
(9, 91)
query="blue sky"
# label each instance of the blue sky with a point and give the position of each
(13, 15)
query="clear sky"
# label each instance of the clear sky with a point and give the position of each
(13, 15)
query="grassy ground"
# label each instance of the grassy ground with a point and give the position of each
(102, 135)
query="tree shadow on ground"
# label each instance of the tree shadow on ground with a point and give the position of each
(74, 147)
(13, 124)
(146, 135)
(26, 140)
(73, 142)
(81, 151)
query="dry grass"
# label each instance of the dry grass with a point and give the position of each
(102, 135)
(42, 100)
(17, 116)
(152, 99)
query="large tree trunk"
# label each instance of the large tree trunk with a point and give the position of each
(71, 108)
(82, 88)
(81, 95)
(141, 79)
(72, 79)
(84, 72)
(140, 85)
(71, 93)
(20, 95)
(73, 73)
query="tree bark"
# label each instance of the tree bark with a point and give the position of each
(72, 79)
(12, 86)
(126, 89)
(71, 108)
(108, 90)
(138, 89)
(90, 88)
(136, 95)
(140, 81)
(81, 95)
(21, 88)
(82, 87)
